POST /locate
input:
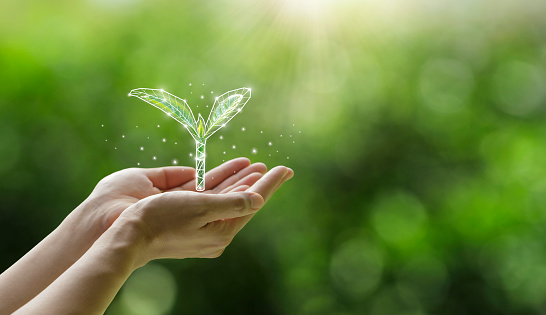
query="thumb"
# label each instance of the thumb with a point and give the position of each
(232, 205)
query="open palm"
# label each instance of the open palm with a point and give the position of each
(118, 191)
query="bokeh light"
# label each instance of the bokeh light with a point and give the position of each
(415, 130)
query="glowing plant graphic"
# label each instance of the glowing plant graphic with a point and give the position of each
(225, 107)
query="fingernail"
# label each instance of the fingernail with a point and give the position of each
(256, 201)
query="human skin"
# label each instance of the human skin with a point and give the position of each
(131, 217)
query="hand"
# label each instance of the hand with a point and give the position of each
(120, 190)
(182, 224)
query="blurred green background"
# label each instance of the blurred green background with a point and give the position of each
(415, 129)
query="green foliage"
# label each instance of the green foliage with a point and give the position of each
(419, 187)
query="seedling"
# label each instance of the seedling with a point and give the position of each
(225, 107)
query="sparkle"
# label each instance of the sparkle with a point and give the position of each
(239, 110)
(254, 151)
(176, 143)
(175, 162)
(224, 152)
(137, 126)
(290, 136)
(164, 140)
(211, 92)
(299, 131)
(123, 136)
(138, 164)
(243, 129)
(157, 126)
(106, 140)
(141, 148)
(202, 96)
(102, 125)
(262, 131)
(270, 143)
(191, 154)
(115, 148)
(269, 154)
(154, 158)
(221, 137)
(190, 84)
(288, 158)
(293, 141)
(233, 147)
(281, 136)
(293, 125)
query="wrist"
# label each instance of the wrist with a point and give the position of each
(131, 236)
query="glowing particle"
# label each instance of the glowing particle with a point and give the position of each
(224, 152)
(154, 157)
(277, 151)
(138, 164)
(269, 154)
(190, 84)
(262, 131)
(290, 136)
(288, 158)
(175, 162)
(293, 141)
(176, 143)
(233, 147)
(102, 125)
(239, 110)
(164, 140)
(115, 148)
(281, 136)
(243, 129)
(293, 125)
(221, 137)
(211, 92)
(191, 154)
(270, 143)
(106, 140)
(157, 126)
(123, 136)
(202, 96)
(254, 151)
(137, 126)
(141, 148)
(299, 131)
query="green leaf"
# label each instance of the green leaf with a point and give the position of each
(225, 108)
(201, 126)
(172, 105)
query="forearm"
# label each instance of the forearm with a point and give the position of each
(46, 261)
(91, 283)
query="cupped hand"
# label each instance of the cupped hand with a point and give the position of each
(183, 224)
(120, 190)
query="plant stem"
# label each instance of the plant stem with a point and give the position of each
(200, 164)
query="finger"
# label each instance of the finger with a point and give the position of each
(234, 178)
(229, 206)
(239, 188)
(248, 180)
(219, 173)
(269, 182)
(169, 177)
(242, 221)
(286, 177)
